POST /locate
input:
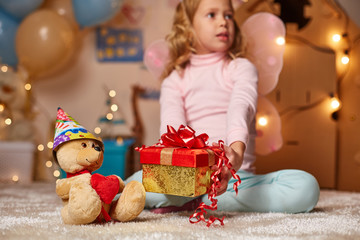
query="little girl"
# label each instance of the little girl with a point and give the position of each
(208, 86)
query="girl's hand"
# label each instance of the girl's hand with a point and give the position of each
(235, 154)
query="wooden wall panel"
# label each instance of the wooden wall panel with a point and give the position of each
(309, 136)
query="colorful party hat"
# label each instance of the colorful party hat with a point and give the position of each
(67, 129)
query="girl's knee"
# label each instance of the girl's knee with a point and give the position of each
(307, 191)
(311, 191)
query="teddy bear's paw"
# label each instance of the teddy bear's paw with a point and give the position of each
(130, 204)
(84, 205)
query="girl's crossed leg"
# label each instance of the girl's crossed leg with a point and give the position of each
(290, 191)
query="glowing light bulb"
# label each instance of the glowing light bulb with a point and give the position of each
(263, 121)
(40, 147)
(336, 37)
(280, 41)
(114, 107)
(27, 87)
(4, 68)
(345, 60)
(109, 116)
(2, 107)
(97, 130)
(112, 93)
(56, 173)
(15, 178)
(50, 145)
(335, 103)
(49, 164)
(8, 121)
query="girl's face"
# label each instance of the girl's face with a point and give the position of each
(214, 26)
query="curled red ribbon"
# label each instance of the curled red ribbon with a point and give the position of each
(200, 212)
(185, 137)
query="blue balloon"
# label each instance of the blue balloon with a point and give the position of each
(94, 12)
(20, 8)
(8, 28)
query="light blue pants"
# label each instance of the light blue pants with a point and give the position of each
(290, 191)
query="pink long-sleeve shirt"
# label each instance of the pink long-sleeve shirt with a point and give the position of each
(214, 96)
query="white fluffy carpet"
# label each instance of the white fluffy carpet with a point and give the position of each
(33, 212)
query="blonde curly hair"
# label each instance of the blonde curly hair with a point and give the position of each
(181, 38)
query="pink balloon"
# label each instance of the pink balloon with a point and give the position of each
(261, 31)
(268, 127)
(156, 57)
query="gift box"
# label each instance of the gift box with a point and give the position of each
(16, 161)
(177, 171)
(180, 164)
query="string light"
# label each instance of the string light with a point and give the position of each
(335, 103)
(280, 41)
(50, 145)
(4, 68)
(2, 107)
(336, 37)
(263, 121)
(114, 107)
(49, 164)
(109, 116)
(345, 60)
(40, 147)
(112, 93)
(56, 173)
(97, 130)
(8, 121)
(15, 178)
(27, 87)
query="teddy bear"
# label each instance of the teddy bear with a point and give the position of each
(88, 197)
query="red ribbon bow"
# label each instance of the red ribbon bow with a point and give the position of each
(185, 137)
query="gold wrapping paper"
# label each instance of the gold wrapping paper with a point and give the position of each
(176, 180)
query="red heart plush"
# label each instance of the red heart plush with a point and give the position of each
(106, 187)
